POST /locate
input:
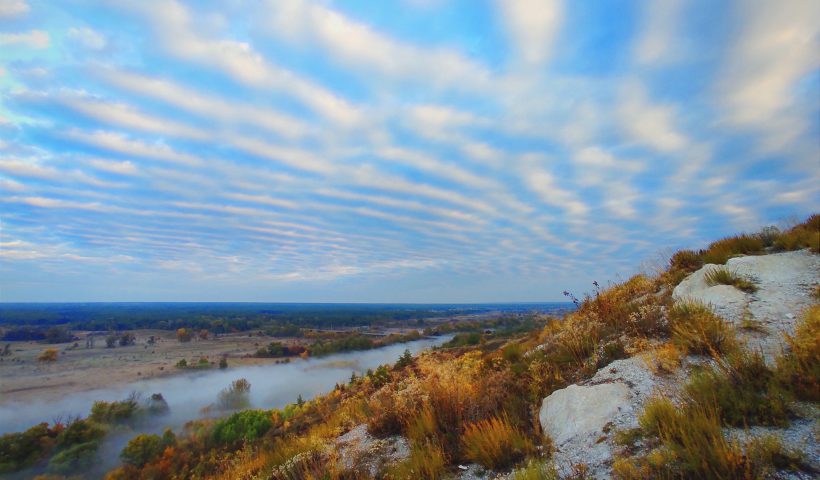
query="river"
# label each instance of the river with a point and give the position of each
(272, 386)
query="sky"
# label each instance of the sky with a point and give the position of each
(392, 151)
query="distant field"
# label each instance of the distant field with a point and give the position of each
(232, 317)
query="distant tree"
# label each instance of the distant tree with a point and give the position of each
(127, 338)
(182, 364)
(111, 341)
(223, 363)
(157, 405)
(299, 400)
(6, 351)
(151, 340)
(48, 355)
(58, 335)
(203, 334)
(184, 335)
(236, 396)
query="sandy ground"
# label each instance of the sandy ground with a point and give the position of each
(78, 369)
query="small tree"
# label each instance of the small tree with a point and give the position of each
(405, 360)
(127, 338)
(111, 341)
(48, 355)
(236, 396)
(203, 334)
(184, 335)
(223, 363)
(182, 364)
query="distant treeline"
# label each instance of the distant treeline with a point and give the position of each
(276, 319)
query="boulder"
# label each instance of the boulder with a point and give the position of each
(579, 412)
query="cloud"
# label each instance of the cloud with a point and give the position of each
(172, 22)
(36, 39)
(209, 106)
(120, 143)
(88, 38)
(13, 8)
(549, 190)
(359, 45)
(776, 47)
(531, 27)
(657, 44)
(649, 123)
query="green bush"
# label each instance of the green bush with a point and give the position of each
(75, 459)
(23, 449)
(246, 425)
(114, 412)
(142, 449)
(79, 432)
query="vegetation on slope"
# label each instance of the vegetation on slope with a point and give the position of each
(478, 401)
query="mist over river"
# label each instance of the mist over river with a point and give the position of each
(272, 386)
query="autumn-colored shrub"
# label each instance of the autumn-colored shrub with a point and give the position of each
(722, 250)
(23, 449)
(804, 235)
(427, 461)
(114, 412)
(686, 260)
(697, 329)
(495, 443)
(48, 355)
(798, 369)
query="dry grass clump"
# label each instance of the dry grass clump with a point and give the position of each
(723, 276)
(722, 250)
(743, 389)
(535, 470)
(698, 330)
(689, 443)
(495, 443)
(664, 359)
(799, 368)
(427, 462)
(805, 235)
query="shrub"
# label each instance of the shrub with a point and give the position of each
(495, 443)
(805, 235)
(142, 449)
(686, 260)
(246, 425)
(182, 363)
(535, 470)
(722, 250)
(427, 462)
(48, 355)
(236, 396)
(698, 330)
(692, 443)
(23, 449)
(799, 368)
(114, 412)
(223, 363)
(75, 458)
(743, 390)
(127, 339)
(184, 335)
(664, 359)
(722, 276)
(80, 431)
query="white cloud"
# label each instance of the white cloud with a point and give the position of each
(117, 142)
(88, 38)
(212, 107)
(36, 39)
(649, 123)
(110, 166)
(532, 26)
(778, 44)
(658, 42)
(359, 45)
(179, 37)
(13, 8)
(543, 183)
